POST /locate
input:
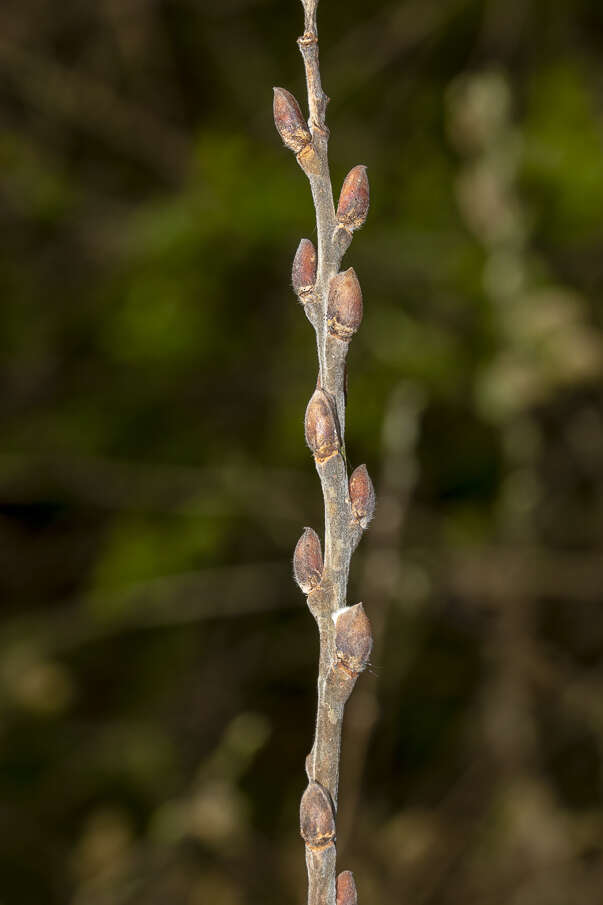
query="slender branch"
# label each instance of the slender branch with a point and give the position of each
(320, 180)
(92, 105)
(333, 304)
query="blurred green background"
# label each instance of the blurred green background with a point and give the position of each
(157, 663)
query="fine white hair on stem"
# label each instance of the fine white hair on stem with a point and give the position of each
(333, 304)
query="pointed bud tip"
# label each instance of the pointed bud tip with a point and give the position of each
(321, 427)
(303, 272)
(307, 561)
(353, 638)
(353, 205)
(346, 889)
(362, 495)
(316, 817)
(344, 305)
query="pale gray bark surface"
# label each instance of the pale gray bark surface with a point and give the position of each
(344, 643)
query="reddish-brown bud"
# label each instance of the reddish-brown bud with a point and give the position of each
(362, 495)
(307, 561)
(354, 199)
(344, 306)
(346, 889)
(289, 121)
(353, 638)
(322, 435)
(316, 817)
(303, 273)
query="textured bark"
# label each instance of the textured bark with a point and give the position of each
(333, 304)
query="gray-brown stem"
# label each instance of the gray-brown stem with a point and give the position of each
(335, 682)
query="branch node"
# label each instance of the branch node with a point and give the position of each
(342, 238)
(307, 39)
(309, 160)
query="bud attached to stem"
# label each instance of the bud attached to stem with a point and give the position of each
(362, 495)
(346, 889)
(307, 561)
(353, 638)
(303, 273)
(354, 199)
(322, 435)
(344, 306)
(316, 817)
(289, 121)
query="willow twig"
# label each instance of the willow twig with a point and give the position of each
(333, 304)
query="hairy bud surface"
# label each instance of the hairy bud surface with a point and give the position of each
(346, 889)
(289, 121)
(344, 305)
(307, 561)
(303, 272)
(354, 199)
(316, 817)
(322, 435)
(353, 638)
(362, 495)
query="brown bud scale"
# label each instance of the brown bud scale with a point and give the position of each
(353, 638)
(309, 160)
(322, 435)
(354, 199)
(344, 305)
(346, 889)
(362, 495)
(290, 122)
(307, 561)
(303, 272)
(340, 682)
(316, 817)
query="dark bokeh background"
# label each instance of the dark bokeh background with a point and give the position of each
(156, 661)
